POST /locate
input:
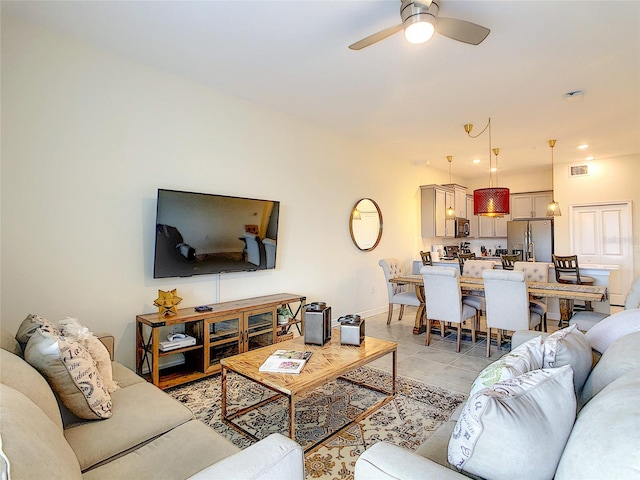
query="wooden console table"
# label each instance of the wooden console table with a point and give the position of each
(228, 329)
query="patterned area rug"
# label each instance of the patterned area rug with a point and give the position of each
(408, 420)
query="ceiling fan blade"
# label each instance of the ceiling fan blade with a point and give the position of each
(376, 37)
(461, 30)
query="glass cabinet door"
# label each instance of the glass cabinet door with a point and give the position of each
(223, 339)
(260, 326)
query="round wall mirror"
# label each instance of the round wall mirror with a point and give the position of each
(365, 224)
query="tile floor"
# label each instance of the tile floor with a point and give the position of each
(438, 364)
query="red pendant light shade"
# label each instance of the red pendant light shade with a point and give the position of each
(491, 202)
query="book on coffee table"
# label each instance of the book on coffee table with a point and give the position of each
(285, 361)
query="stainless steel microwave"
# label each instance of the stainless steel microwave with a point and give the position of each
(462, 227)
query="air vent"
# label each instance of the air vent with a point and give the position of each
(578, 170)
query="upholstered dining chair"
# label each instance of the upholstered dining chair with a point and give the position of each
(426, 258)
(398, 294)
(508, 306)
(568, 271)
(443, 298)
(536, 272)
(462, 258)
(474, 268)
(509, 260)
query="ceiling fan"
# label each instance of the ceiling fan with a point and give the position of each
(420, 21)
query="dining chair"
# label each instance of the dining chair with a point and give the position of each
(474, 268)
(398, 294)
(508, 305)
(443, 298)
(509, 260)
(568, 271)
(462, 258)
(536, 272)
(426, 258)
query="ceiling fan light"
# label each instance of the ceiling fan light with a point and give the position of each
(419, 32)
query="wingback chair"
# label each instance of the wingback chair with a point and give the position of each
(443, 298)
(398, 294)
(507, 300)
(536, 272)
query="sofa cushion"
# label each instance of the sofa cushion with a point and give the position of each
(9, 343)
(605, 438)
(72, 329)
(130, 425)
(32, 444)
(621, 357)
(569, 346)
(124, 376)
(522, 359)
(608, 330)
(179, 453)
(516, 428)
(18, 374)
(32, 323)
(71, 372)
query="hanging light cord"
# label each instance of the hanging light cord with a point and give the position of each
(467, 129)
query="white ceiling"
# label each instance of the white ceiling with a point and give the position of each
(410, 100)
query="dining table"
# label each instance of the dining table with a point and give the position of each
(565, 292)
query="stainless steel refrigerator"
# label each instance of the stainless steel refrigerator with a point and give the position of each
(533, 238)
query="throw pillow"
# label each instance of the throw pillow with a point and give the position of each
(524, 358)
(74, 330)
(609, 329)
(569, 346)
(72, 374)
(516, 428)
(32, 323)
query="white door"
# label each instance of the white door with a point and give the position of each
(601, 235)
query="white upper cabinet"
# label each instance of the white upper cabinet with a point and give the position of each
(530, 205)
(434, 202)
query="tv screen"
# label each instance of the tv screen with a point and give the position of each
(199, 234)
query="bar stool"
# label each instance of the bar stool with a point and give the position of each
(426, 259)
(509, 260)
(567, 271)
(463, 257)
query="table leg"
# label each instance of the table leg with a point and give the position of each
(292, 416)
(566, 309)
(420, 326)
(223, 395)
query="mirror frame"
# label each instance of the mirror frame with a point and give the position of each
(353, 238)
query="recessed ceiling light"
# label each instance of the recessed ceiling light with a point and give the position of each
(589, 158)
(477, 160)
(494, 169)
(584, 146)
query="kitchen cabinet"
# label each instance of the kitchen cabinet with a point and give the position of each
(459, 200)
(434, 200)
(492, 227)
(530, 205)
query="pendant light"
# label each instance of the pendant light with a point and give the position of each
(553, 208)
(492, 201)
(450, 213)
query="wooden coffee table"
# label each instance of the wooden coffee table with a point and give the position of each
(327, 363)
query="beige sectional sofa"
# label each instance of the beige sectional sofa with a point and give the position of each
(148, 436)
(602, 443)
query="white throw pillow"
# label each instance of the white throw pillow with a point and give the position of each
(72, 374)
(524, 358)
(32, 323)
(569, 346)
(516, 428)
(74, 330)
(609, 329)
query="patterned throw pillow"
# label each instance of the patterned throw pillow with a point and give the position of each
(569, 346)
(32, 323)
(71, 372)
(516, 428)
(524, 358)
(74, 330)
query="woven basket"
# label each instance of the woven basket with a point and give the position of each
(284, 337)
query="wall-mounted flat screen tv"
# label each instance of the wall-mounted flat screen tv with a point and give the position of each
(199, 234)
